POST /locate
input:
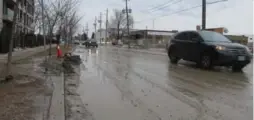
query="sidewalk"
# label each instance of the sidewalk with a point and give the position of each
(17, 55)
(37, 90)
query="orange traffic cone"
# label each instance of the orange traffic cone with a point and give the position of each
(59, 52)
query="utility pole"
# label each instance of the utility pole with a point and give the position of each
(100, 21)
(127, 16)
(106, 33)
(203, 14)
(153, 23)
(95, 24)
(87, 29)
(43, 27)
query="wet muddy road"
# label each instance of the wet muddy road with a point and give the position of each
(117, 84)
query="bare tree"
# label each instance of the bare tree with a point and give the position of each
(118, 23)
(69, 27)
(37, 17)
(55, 12)
(9, 60)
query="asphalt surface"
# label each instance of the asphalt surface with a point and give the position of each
(117, 84)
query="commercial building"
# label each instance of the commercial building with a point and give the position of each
(242, 39)
(24, 25)
(151, 38)
(101, 34)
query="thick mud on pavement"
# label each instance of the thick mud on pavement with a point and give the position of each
(74, 107)
(117, 84)
(27, 97)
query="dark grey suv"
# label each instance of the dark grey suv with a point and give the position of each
(208, 49)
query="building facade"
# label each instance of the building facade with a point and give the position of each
(24, 23)
(151, 38)
(25, 15)
(101, 34)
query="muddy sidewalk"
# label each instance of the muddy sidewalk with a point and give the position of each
(28, 96)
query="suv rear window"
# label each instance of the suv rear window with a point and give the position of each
(182, 36)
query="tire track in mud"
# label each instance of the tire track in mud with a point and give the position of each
(202, 109)
(183, 79)
(199, 102)
(148, 114)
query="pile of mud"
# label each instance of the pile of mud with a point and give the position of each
(70, 60)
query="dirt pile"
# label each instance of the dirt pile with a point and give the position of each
(70, 60)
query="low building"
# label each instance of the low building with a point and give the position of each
(151, 38)
(242, 39)
(250, 38)
(101, 34)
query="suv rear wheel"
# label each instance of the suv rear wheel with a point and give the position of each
(172, 57)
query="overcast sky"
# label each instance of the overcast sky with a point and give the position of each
(235, 15)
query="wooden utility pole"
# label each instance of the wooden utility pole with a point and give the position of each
(100, 21)
(203, 14)
(106, 33)
(95, 24)
(127, 16)
(9, 60)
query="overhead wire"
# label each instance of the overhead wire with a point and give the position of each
(163, 7)
(183, 10)
(163, 4)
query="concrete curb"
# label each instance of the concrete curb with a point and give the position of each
(57, 107)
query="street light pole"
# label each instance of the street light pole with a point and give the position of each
(95, 24)
(203, 14)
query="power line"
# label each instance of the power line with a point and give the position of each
(163, 7)
(184, 10)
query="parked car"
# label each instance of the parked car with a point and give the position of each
(250, 46)
(76, 43)
(91, 43)
(117, 42)
(86, 43)
(208, 49)
(114, 42)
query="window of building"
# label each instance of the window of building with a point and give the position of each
(5, 9)
(21, 16)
